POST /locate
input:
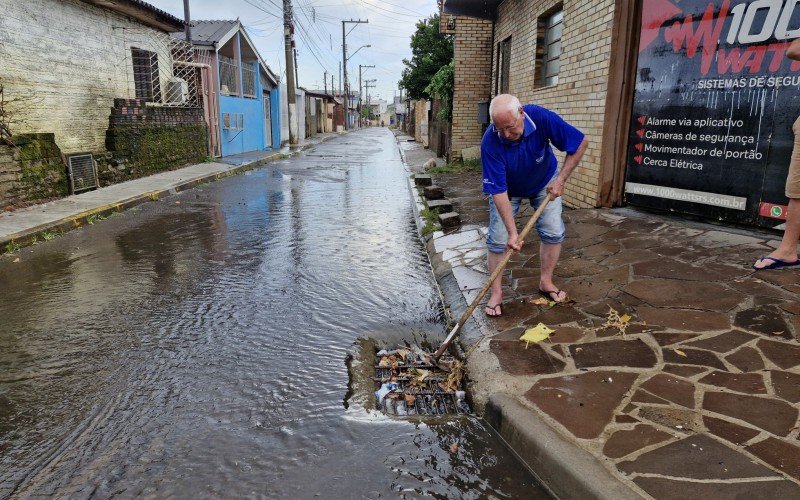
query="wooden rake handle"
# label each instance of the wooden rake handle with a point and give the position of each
(500, 267)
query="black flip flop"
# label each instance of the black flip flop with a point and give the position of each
(498, 309)
(546, 294)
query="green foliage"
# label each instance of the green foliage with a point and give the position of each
(49, 235)
(431, 218)
(431, 51)
(458, 167)
(91, 219)
(441, 87)
(12, 247)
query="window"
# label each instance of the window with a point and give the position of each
(548, 47)
(233, 121)
(249, 80)
(503, 65)
(145, 75)
(228, 76)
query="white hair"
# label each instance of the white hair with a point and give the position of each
(503, 102)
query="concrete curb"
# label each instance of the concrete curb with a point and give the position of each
(565, 469)
(73, 221)
(562, 467)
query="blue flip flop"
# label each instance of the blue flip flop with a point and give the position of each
(776, 263)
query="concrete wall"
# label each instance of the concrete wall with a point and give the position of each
(252, 137)
(421, 122)
(67, 61)
(580, 94)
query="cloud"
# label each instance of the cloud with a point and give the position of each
(318, 35)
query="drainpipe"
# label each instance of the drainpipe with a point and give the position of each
(187, 21)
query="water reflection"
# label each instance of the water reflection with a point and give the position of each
(196, 348)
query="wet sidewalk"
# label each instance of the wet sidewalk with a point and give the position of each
(675, 372)
(43, 221)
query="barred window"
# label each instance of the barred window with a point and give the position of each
(145, 75)
(228, 76)
(249, 81)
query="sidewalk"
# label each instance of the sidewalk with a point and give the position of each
(24, 226)
(698, 398)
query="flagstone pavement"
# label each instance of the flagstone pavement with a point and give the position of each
(698, 395)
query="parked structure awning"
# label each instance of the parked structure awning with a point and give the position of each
(483, 9)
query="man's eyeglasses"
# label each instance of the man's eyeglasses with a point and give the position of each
(508, 129)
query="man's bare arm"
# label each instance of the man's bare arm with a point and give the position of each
(556, 187)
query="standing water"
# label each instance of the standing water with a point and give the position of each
(196, 346)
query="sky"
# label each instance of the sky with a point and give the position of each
(318, 35)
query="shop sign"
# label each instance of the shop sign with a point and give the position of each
(716, 98)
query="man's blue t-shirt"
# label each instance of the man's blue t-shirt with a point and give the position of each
(524, 167)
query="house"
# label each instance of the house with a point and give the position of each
(319, 112)
(102, 83)
(246, 111)
(670, 127)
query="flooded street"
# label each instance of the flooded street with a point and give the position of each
(197, 346)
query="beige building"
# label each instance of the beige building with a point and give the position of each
(557, 54)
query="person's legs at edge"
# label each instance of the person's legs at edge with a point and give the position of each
(787, 250)
(496, 241)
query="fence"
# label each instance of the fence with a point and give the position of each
(162, 69)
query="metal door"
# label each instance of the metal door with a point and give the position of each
(267, 122)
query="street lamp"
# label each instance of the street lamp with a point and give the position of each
(354, 53)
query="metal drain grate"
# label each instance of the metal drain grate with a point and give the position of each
(81, 172)
(408, 384)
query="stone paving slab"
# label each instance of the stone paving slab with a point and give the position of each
(704, 384)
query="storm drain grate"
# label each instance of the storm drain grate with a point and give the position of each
(81, 172)
(407, 383)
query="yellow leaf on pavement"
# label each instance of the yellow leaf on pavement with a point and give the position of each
(679, 352)
(624, 318)
(536, 334)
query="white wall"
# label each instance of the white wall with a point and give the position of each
(301, 114)
(67, 61)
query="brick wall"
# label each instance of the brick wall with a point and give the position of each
(143, 140)
(580, 94)
(31, 170)
(472, 52)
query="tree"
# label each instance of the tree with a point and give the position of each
(441, 87)
(431, 51)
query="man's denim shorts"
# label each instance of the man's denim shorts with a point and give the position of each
(550, 226)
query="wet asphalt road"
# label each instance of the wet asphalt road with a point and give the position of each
(196, 346)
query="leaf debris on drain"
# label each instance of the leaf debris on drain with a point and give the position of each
(408, 382)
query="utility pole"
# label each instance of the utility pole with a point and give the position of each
(367, 85)
(360, 66)
(325, 81)
(288, 45)
(344, 64)
(340, 78)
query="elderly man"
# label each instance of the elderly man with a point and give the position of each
(518, 162)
